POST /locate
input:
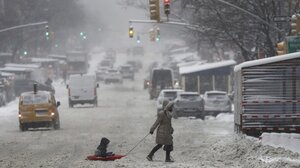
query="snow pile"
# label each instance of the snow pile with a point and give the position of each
(10, 109)
(250, 153)
(284, 140)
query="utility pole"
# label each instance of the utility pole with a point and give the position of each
(2, 8)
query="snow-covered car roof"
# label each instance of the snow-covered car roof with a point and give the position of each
(189, 93)
(215, 91)
(15, 69)
(28, 66)
(171, 90)
(40, 92)
(42, 60)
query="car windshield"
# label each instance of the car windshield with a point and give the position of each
(125, 68)
(81, 81)
(189, 96)
(216, 96)
(170, 95)
(105, 63)
(35, 99)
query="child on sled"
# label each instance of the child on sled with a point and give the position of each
(101, 150)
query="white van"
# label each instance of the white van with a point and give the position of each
(82, 89)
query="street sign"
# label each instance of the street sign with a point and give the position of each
(281, 18)
(293, 44)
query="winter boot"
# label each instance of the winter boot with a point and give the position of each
(168, 157)
(149, 157)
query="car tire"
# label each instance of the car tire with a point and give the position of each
(71, 104)
(96, 102)
(202, 117)
(23, 128)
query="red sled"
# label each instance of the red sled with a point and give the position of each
(108, 158)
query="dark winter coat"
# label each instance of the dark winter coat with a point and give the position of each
(165, 130)
(102, 148)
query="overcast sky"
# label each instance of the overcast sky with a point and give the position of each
(114, 19)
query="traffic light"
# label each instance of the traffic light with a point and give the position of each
(131, 32)
(281, 48)
(167, 7)
(295, 24)
(47, 32)
(154, 10)
(83, 35)
(157, 34)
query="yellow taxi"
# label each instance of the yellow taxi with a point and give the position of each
(38, 109)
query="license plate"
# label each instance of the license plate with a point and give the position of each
(41, 113)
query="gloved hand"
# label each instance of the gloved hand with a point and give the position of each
(151, 132)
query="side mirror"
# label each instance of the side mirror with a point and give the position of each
(57, 103)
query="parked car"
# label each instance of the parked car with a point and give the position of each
(113, 76)
(25, 85)
(101, 73)
(216, 102)
(105, 63)
(136, 65)
(188, 104)
(82, 89)
(166, 94)
(111, 55)
(127, 72)
(38, 109)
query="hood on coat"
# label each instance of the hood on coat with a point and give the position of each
(104, 142)
(169, 106)
(165, 103)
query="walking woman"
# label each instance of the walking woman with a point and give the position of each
(164, 131)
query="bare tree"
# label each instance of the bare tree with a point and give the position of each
(63, 17)
(230, 26)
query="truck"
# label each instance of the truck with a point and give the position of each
(160, 78)
(77, 62)
(82, 89)
(266, 95)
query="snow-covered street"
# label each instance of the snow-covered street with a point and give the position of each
(125, 115)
